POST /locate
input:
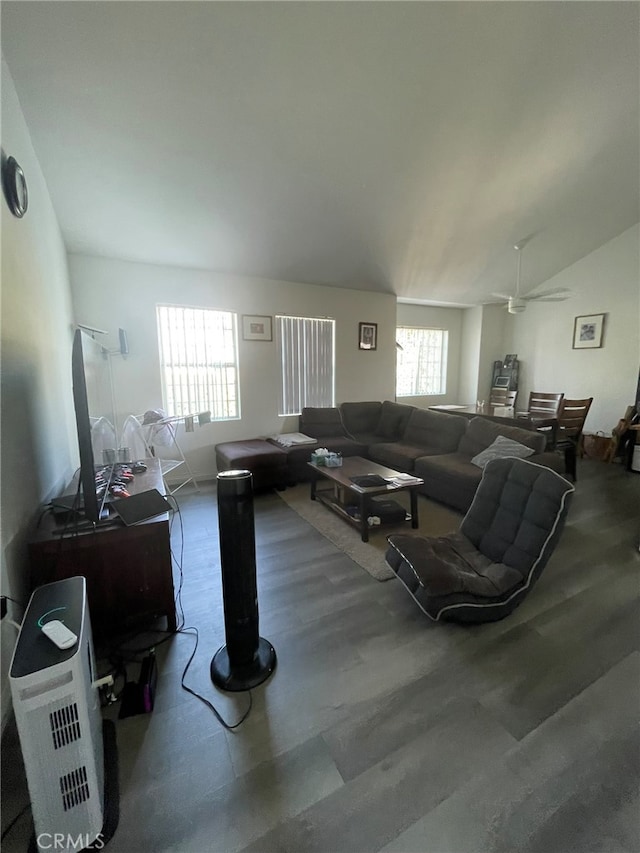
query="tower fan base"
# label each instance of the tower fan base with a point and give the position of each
(231, 677)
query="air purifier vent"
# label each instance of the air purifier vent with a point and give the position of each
(65, 726)
(74, 788)
(57, 709)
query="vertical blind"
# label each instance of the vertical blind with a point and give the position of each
(198, 361)
(306, 355)
(422, 362)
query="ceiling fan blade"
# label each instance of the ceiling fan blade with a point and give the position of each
(556, 291)
(545, 298)
(506, 296)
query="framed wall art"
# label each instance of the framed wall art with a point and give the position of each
(587, 331)
(256, 327)
(368, 336)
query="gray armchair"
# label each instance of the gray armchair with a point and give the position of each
(484, 570)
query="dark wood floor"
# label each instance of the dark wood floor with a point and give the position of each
(382, 731)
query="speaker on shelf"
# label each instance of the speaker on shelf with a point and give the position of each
(246, 659)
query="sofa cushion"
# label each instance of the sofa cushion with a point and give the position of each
(436, 431)
(452, 479)
(449, 566)
(321, 422)
(395, 454)
(393, 420)
(367, 438)
(449, 478)
(500, 448)
(360, 418)
(481, 433)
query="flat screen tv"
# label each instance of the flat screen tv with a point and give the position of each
(93, 401)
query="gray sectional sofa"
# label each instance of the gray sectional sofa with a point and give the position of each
(436, 446)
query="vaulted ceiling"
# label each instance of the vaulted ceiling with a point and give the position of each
(392, 146)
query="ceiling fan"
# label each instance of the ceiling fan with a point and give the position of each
(516, 303)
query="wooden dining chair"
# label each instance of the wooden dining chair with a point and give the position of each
(543, 405)
(502, 397)
(571, 418)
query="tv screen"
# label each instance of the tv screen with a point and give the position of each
(93, 403)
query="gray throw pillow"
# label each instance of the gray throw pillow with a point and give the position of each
(500, 448)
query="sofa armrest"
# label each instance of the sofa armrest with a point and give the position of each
(550, 460)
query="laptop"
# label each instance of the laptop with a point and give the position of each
(141, 507)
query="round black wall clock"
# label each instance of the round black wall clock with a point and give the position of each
(14, 185)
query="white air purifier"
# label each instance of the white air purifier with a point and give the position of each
(59, 721)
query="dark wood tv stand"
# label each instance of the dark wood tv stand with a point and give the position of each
(128, 569)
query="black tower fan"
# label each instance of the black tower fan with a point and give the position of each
(246, 659)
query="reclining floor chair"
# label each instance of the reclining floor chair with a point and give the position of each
(484, 570)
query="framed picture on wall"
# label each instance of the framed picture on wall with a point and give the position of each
(587, 331)
(256, 327)
(368, 336)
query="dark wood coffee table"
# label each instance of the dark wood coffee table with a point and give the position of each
(344, 490)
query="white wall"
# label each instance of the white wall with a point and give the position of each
(38, 450)
(605, 281)
(491, 347)
(111, 294)
(431, 317)
(468, 385)
(482, 344)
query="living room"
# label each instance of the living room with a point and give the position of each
(49, 287)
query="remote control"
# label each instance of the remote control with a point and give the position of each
(59, 634)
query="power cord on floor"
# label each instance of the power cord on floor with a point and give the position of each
(119, 655)
(194, 633)
(178, 560)
(228, 726)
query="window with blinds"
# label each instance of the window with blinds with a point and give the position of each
(198, 361)
(422, 362)
(307, 360)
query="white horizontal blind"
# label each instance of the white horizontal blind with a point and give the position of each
(306, 354)
(198, 361)
(422, 362)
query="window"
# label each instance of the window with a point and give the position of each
(198, 361)
(306, 354)
(422, 362)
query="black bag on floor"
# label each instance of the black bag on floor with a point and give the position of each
(387, 511)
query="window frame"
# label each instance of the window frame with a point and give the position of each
(233, 315)
(443, 355)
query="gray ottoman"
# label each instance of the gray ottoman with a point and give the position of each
(267, 463)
